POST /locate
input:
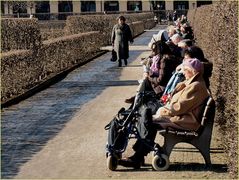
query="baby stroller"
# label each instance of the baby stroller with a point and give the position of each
(124, 127)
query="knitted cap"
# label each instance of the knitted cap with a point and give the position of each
(194, 64)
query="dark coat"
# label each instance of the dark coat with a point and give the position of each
(121, 35)
(167, 66)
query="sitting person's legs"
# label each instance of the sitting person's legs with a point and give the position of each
(144, 86)
(143, 145)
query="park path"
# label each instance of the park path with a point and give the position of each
(59, 132)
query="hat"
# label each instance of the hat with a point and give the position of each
(194, 64)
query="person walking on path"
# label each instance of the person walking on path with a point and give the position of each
(121, 36)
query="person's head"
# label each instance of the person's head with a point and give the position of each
(171, 31)
(161, 48)
(194, 52)
(121, 19)
(182, 29)
(176, 38)
(191, 67)
(162, 36)
(185, 44)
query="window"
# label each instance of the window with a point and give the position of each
(158, 5)
(200, 3)
(134, 6)
(180, 5)
(111, 6)
(2, 7)
(88, 6)
(20, 8)
(65, 8)
(43, 10)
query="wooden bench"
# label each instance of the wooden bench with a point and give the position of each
(200, 139)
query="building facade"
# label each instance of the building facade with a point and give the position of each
(42, 8)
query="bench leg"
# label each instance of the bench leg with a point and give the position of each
(169, 143)
(204, 149)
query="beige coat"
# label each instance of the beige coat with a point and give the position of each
(186, 104)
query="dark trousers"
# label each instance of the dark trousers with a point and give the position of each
(147, 133)
(120, 62)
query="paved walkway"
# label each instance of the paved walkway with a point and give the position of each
(59, 132)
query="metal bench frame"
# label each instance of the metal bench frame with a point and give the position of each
(200, 139)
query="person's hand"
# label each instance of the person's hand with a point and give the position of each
(179, 67)
(150, 73)
(162, 111)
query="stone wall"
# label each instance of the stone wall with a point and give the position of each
(216, 31)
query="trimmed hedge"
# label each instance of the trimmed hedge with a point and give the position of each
(19, 33)
(104, 23)
(51, 29)
(47, 34)
(20, 70)
(137, 28)
(216, 30)
(62, 53)
(24, 69)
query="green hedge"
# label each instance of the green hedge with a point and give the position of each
(19, 33)
(216, 31)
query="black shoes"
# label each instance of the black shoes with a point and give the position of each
(133, 161)
(125, 62)
(130, 100)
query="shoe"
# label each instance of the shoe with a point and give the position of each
(125, 62)
(120, 63)
(130, 100)
(131, 162)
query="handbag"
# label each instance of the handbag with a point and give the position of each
(113, 56)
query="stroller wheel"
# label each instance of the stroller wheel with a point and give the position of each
(160, 162)
(112, 162)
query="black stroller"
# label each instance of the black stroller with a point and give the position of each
(124, 127)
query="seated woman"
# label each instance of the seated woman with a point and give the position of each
(182, 112)
(150, 65)
(156, 82)
(190, 52)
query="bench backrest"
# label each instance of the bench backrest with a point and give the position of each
(209, 112)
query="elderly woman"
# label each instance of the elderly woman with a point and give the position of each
(121, 35)
(183, 109)
(182, 112)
